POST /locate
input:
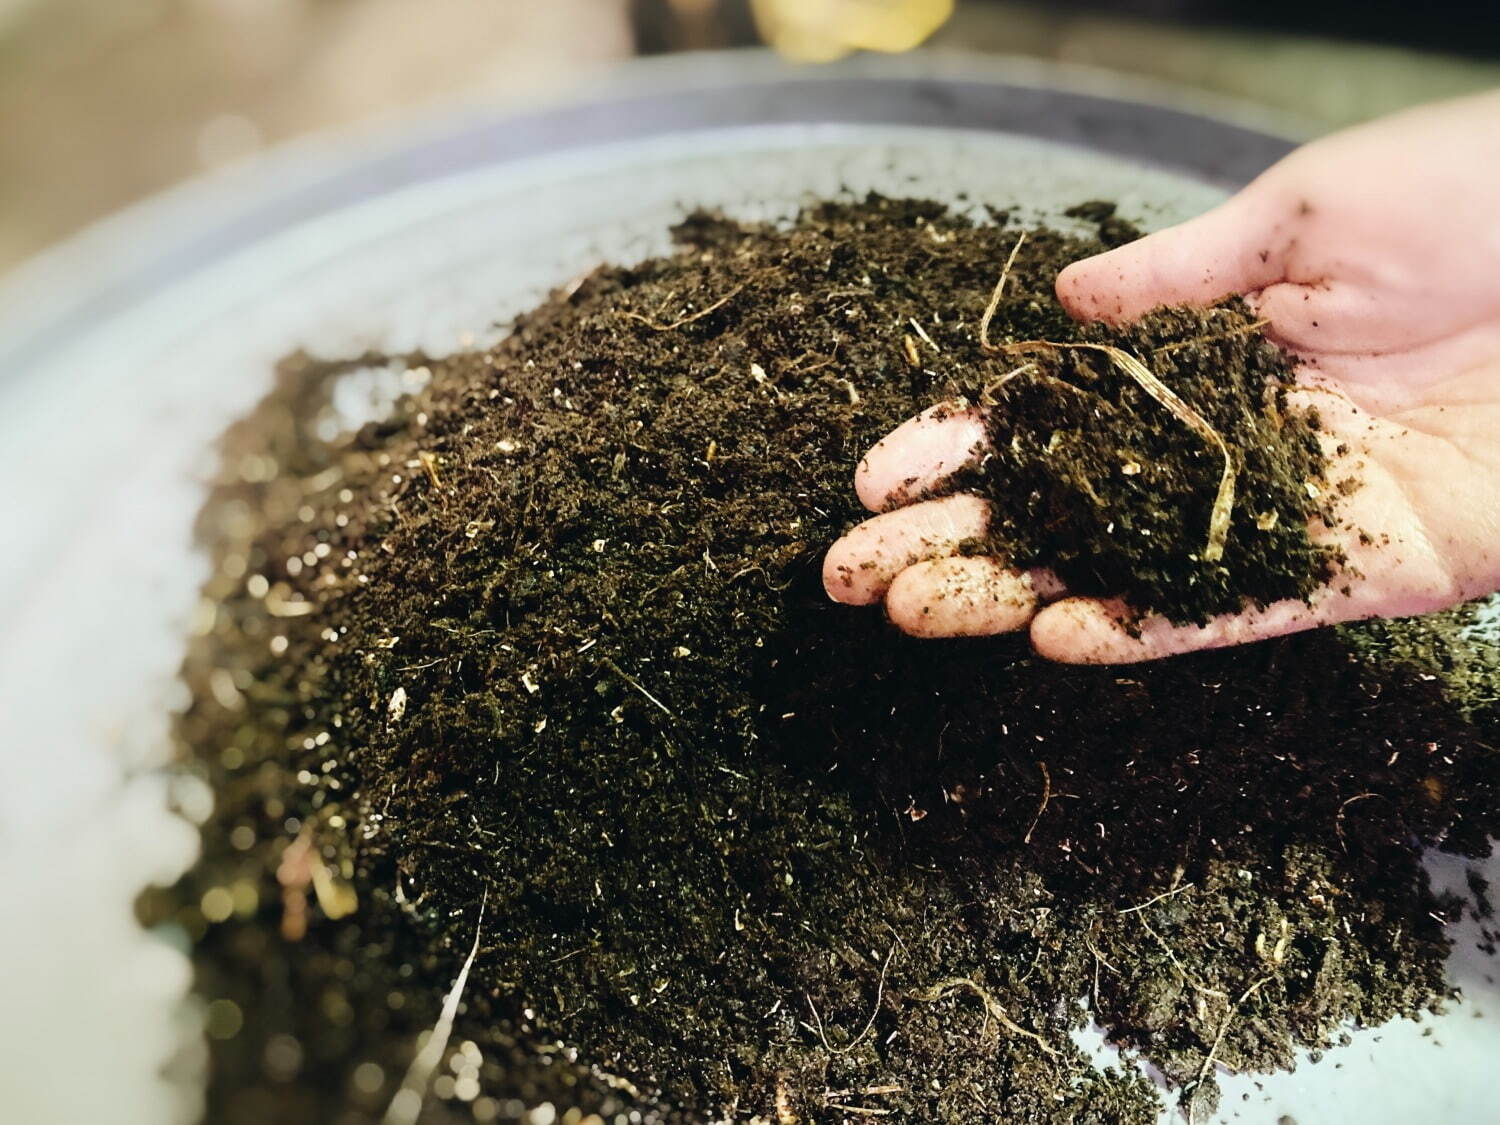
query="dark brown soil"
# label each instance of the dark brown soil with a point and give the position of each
(1095, 479)
(543, 660)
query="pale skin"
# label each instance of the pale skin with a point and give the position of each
(1374, 255)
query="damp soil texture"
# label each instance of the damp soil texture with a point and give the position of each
(528, 695)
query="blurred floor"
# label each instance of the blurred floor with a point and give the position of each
(104, 101)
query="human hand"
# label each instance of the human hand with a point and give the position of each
(1373, 256)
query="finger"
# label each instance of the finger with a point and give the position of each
(965, 597)
(1347, 318)
(859, 568)
(918, 454)
(1320, 316)
(1457, 371)
(1095, 631)
(1234, 248)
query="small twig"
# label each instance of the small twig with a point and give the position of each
(897, 938)
(1181, 968)
(633, 682)
(869, 1024)
(989, 312)
(987, 394)
(762, 572)
(860, 1109)
(421, 667)
(1046, 797)
(1212, 337)
(1338, 821)
(1208, 1060)
(1098, 960)
(875, 1011)
(1154, 901)
(922, 332)
(796, 366)
(991, 1008)
(1218, 521)
(699, 315)
(1089, 943)
(406, 1105)
(818, 1020)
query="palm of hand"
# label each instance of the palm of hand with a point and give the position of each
(1380, 279)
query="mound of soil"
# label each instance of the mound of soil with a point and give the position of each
(530, 694)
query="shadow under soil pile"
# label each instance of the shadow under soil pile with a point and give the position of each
(540, 667)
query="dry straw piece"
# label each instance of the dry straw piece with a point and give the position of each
(992, 1007)
(1218, 522)
(989, 311)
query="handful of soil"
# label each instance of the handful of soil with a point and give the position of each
(1161, 462)
(527, 698)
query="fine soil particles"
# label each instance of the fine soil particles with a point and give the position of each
(529, 693)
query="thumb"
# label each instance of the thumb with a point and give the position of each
(1232, 249)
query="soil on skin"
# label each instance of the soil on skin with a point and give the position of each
(1093, 478)
(541, 667)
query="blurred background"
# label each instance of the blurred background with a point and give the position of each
(104, 101)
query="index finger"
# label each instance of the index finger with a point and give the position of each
(919, 454)
(1235, 248)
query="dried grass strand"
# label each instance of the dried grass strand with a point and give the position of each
(993, 387)
(1213, 1051)
(699, 315)
(1218, 522)
(1177, 890)
(1046, 800)
(875, 1011)
(991, 1007)
(1213, 337)
(635, 683)
(989, 312)
(406, 1105)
